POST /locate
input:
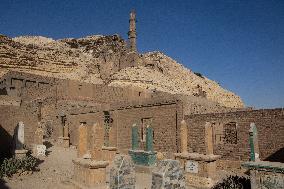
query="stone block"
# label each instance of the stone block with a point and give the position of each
(141, 157)
(82, 143)
(98, 137)
(38, 137)
(39, 150)
(19, 136)
(168, 174)
(200, 169)
(89, 173)
(265, 174)
(19, 154)
(122, 174)
(108, 153)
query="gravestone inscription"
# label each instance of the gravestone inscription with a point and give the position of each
(191, 167)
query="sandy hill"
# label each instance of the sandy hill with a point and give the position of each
(86, 59)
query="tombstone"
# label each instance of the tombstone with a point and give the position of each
(20, 136)
(89, 167)
(82, 141)
(66, 131)
(135, 142)
(38, 137)
(191, 166)
(183, 136)
(149, 139)
(200, 169)
(143, 157)
(263, 174)
(99, 151)
(19, 140)
(40, 150)
(98, 142)
(89, 173)
(168, 175)
(209, 138)
(253, 139)
(122, 173)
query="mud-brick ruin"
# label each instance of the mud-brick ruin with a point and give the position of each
(98, 94)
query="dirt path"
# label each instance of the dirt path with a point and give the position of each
(55, 171)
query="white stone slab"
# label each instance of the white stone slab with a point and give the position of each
(40, 150)
(191, 167)
(20, 136)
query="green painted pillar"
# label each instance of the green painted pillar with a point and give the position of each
(253, 140)
(252, 156)
(135, 143)
(149, 139)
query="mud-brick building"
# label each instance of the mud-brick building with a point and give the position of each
(231, 131)
(44, 99)
(32, 99)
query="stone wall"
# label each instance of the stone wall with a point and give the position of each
(84, 102)
(74, 121)
(231, 133)
(100, 93)
(164, 119)
(10, 116)
(265, 174)
(18, 84)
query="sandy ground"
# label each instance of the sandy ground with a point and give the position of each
(56, 172)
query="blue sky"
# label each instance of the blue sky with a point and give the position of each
(238, 43)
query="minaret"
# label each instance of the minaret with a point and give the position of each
(132, 32)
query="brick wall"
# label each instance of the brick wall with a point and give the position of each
(68, 89)
(10, 116)
(269, 122)
(90, 119)
(164, 121)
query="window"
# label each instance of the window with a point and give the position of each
(231, 135)
(107, 121)
(218, 133)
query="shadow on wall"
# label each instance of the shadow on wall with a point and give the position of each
(278, 156)
(3, 184)
(6, 141)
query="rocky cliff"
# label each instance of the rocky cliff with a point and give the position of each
(105, 59)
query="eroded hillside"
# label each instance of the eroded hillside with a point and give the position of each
(98, 59)
(174, 78)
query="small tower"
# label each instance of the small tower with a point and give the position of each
(132, 32)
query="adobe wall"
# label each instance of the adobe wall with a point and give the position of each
(13, 83)
(165, 121)
(231, 140)
(74, 121)
(100, 93)
(165, 118)
(9, 118)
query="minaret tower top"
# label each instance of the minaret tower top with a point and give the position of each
(132, 32)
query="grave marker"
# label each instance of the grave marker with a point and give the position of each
(168, 174)
(122, 174)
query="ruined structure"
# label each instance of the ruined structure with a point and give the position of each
(132, 32)
(98, 81)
